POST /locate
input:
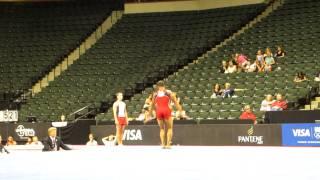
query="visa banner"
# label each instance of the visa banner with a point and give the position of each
(300, 134)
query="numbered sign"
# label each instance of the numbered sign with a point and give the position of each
(8, 116)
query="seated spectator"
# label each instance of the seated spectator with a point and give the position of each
(217, 92)
(228, 91)
(280, 104)
(35, 141)
(280, 52)
(260, 65)
(231, 68)
(11, 141)
(248, 114)
(241, 60)
(109, 140)
(268, 62)
(145, 113)
(224, 67)
(268, 52)
(300, 77)
(182, 116)
(176, 114)
(29, 141)
(251, 67)
(91, 141)
(141, 116)
(267, 103)
(259, 56)
(317, 78)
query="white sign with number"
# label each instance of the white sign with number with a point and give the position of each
(8, 116)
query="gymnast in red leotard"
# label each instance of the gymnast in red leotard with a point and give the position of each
(161, 103)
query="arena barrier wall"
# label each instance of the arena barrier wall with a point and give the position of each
(294, 116)
(73, 133)
(184, 134)
(201, 134)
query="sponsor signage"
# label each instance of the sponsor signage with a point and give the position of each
(301, 134)
(132, 135)
(250, 138)
(21, 131)
(202, 134)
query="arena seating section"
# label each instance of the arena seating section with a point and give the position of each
(139, 50)
(35, 37)
(295, 26)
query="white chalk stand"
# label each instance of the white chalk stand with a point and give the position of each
(59, 124)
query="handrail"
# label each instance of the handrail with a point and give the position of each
(81, 109)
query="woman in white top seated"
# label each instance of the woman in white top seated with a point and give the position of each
(251, 67)
(91, 141)
(231, 68)
(266, 103)
(35, 141)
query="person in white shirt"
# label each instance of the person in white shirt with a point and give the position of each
(250, 67)
(231, 68)
(35, 141)
(91, 141)
(109, 140)
(120, 117)
(266, 103)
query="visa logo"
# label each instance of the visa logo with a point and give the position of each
(301, 132)
(132, 134)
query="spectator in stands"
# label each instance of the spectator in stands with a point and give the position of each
(260, 65)
(267, 103)
(317, 78)
(216, 91)
(228, 91)
(35, 141)
(91, 141)
(29, 141)
(224, 67)
(248, 114)
(11, 141)
(145, 115)
(251, 67)
(259, 56)
(280, 104)
(231, 68)
(268, 52)
(241, 60)
(300, 77)
(268, 61)
(176, 114)
(280, 52)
